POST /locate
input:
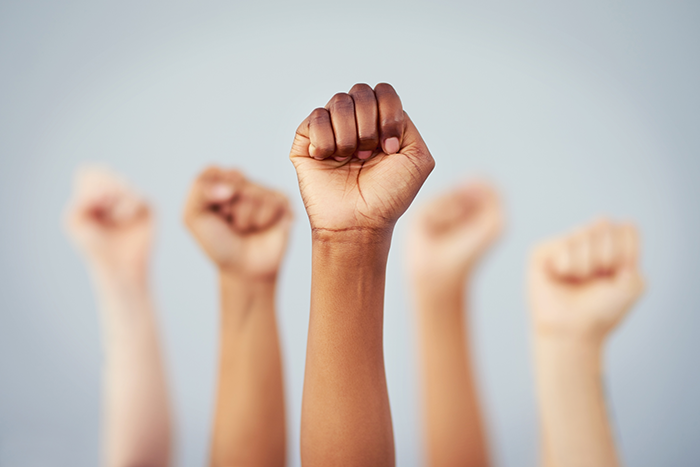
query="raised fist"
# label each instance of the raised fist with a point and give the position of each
(243, 227)
(583, 284)
(360, 161)
(109, 222)
(451, 233)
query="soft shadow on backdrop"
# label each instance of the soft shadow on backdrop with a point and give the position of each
(573, 110)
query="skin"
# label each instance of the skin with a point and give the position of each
(112, 226)
(243, 228)
(447, 239)
(360, 162)
(581, 286)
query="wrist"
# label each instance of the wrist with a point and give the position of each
(352, 248)
(251, 282)
(352, 235)
(243, 296)
(567, 351)
(569, 334)
(430, 283)
(121, 282)
(235, 286)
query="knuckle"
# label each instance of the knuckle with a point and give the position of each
(341, 102)
(362, 93)
(370, 137)
(325, 150)
(361, 88)
(319, 115)
(345, 148)
(384, 87)
(391, 121)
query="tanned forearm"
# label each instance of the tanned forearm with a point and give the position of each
(136, 404)
(453, 421)
(574, 419)
(346, 418)
(249, 425)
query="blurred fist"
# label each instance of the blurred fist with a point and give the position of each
(583, 284)
(243, 227)
(109, 222)
(360, 161)
(451, 233)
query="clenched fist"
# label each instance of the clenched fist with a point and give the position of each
(452, 232)
(243, 227)
(360, 161)
(583, 284)
(110, 223)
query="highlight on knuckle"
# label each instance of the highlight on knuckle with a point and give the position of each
(319, 115)
(342, 102)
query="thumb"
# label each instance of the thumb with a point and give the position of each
(300, 145)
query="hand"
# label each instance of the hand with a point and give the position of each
(360, 161)
(242, 226)
(451, 233)
(110, 223)
(583, 284)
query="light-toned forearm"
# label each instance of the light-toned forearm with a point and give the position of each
(575, 426)
(249, 426)
(137, 419)
(452, 415)
(346, 418)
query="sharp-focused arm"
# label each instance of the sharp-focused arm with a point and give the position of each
(346, 418)
(360, 162)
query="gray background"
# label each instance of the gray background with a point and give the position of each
(574, 110)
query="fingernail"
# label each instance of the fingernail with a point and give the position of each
(391, 145)
(221, 191)
(362, 155)
(340, 159)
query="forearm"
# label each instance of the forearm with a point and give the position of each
(137, 420)
(249, 427)
(453, 421)
(575, 426)
(346, 418)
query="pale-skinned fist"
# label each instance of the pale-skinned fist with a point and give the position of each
(110, 223)
(451, 233)
(242, 226)
(583, 284)
(360, 161)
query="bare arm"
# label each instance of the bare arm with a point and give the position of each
(346, 419)
(112, 226)
(453, 421)
(447, 239)
(574, 417)
(136, 407)
(249, 426)
(243, 228)
(360, 162)
(581, 287)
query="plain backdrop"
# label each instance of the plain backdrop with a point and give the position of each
(574, 109)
